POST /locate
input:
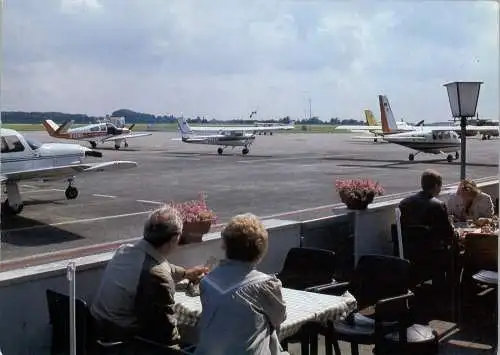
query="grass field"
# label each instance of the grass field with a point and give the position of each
(172, 127)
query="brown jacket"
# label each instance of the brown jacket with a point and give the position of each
(136, 295)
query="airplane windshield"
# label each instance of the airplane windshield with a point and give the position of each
(33, 144)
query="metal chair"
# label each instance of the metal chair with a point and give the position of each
(380, 284)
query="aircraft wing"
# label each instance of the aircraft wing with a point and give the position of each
(241, 128)
(358, 128)
(2, 178)
(67, 170)
(127, 136)
(468, 128)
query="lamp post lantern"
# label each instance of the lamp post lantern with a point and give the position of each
(463, 96)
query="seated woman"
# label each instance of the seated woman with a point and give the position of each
(242, 307)
(469, 202)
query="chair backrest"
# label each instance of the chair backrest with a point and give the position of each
(306, 267)
(481, 252)
(58, 306)
(379, 276)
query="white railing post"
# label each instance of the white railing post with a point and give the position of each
(72, 322)
(400, 235)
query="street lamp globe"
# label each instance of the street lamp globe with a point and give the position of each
(463, 97)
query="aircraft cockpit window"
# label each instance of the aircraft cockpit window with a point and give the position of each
(95, 129)
(102, 127)
(11, 144)
(33, 144)
(446, 135)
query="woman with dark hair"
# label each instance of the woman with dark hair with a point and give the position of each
(242, 308)
(469, 202)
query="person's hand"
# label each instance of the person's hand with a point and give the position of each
(196, 273)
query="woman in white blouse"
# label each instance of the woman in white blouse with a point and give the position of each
(470, 203)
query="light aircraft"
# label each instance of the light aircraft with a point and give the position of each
(224, 139)
(258, 128)
(25, 159)
(436, 140)
(97, 132)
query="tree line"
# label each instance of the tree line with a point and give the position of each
(146, 118)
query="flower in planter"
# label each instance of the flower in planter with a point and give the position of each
(195, 210)
(363, 190)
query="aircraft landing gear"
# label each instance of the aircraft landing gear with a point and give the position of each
(220, 151)
(125, 145)
(13, 204)
(375, 140)
(411, 157)
(71, 191)
(457, 155)
(245, 151)
(93, 144)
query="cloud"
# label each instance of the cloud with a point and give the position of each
(226, 58)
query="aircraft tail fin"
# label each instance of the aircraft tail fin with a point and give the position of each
(51, 127)
(420, 123)
(370, 119)
(184, 127)
(387, 118)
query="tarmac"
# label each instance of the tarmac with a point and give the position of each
(288, 176)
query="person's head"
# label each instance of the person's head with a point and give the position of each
(431, 182)
(163, 229)
(245, 238)
(467, 190)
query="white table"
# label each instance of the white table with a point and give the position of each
(301, 307)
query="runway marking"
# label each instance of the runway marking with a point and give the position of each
(152, 202)
(99, 195)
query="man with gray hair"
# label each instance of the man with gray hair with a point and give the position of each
(136, 295)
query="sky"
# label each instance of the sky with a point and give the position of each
(224, 59)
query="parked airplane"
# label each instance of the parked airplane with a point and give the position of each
(258, 128)
(424, 140)
(227, 138)
(93, 133)
(25, 159)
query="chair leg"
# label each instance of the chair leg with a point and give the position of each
(304, 342)
(354, 349)
(336, 347)
(329, 341)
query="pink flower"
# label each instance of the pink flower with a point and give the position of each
(362, 189)
(195, 210)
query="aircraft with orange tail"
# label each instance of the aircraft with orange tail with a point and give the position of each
(93, 133)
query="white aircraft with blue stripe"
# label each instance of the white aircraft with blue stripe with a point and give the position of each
(223, 139)
(24, 159)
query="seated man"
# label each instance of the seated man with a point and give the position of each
(426, 226)
(136, 295)
(470, 203)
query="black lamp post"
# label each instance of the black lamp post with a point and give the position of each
(463, 96)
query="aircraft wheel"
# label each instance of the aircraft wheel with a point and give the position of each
(411, 157)
(449, 158)
(93, 144)
(457, 155)
(9, 210)
(375, 140)
(126, 145)
(270, 133)
(245, 151)
(220, 151)
(71, 193)
(117, 146)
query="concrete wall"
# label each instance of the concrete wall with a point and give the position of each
(24, 319)
(24, 322)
